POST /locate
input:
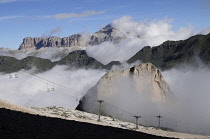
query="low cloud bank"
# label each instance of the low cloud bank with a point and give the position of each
(29, 90)
(187, 111)
(51, 53)
(191, 88)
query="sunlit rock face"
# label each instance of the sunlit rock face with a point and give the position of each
(142, 82)
(39, 42)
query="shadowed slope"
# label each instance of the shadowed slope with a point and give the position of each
(173, 53)
(22, 125)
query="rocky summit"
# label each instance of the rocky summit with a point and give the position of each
(141, 80)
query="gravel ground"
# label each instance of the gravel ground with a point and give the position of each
(108, 121)
(54, 122)
(21, 125)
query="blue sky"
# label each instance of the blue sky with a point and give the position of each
(36, 18)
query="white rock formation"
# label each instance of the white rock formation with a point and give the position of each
(142, 82)
(144, 77)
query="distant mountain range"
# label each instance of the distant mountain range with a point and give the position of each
(108, 33)
(164, 56)
(56, 48)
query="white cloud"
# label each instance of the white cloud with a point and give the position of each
(85, 38)
(73, 15)
(28, 90)
(191, 87)
(51, 53)
(149, 34)
(58, 16)
(21, 16)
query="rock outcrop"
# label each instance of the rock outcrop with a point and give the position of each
(141, 82)
(106, 34)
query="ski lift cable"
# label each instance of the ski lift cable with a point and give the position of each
(72, 90)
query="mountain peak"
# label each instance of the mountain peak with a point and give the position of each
(141, 75)
(130, 85)
(107, 33)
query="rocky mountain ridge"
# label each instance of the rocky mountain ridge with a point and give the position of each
(173, 53)
(108, 33)
(76, 59)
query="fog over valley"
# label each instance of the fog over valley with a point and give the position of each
(118, 60)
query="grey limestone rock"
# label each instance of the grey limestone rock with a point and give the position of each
(106, 34)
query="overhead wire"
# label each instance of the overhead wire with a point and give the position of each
(72, 90)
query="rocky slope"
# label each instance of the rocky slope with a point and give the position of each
(50, 122)
(129, 86)
(80, 59)
(173, 53)
(10, 64)
(106, 34)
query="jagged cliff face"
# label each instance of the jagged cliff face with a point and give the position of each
(144, 77)
(140, 82)
(39, 42)
(106, 34)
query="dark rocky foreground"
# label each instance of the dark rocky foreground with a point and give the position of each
(15, 124)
